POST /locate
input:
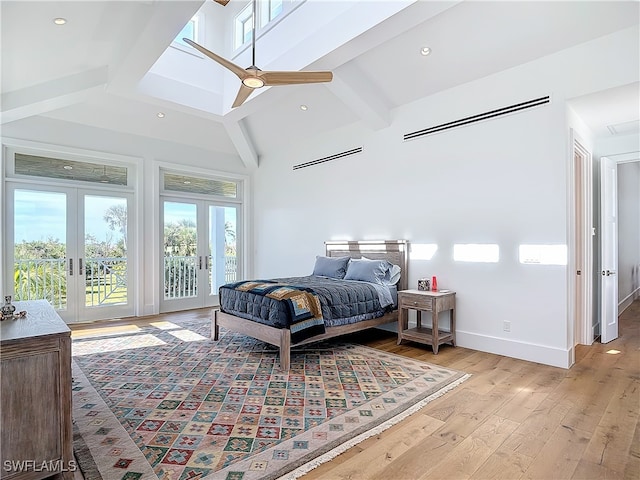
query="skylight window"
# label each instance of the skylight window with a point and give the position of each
(269, 10)
(190, 31)
(243, 26)
(269, 13)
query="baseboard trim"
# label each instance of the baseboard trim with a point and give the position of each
(556, 357)
(628, 300)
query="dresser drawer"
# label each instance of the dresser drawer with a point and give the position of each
(408, 300)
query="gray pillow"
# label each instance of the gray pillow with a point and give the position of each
(372, 271)
(334, 267)
(392, 275)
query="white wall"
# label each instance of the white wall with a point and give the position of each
(502, 181)
(628, 232)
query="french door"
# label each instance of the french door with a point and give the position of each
(199, 252)
(69, 246)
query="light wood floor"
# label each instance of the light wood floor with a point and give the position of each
(512, 419)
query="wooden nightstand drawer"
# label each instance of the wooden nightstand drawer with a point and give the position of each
(408, 300)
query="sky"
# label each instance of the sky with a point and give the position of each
(40, 215)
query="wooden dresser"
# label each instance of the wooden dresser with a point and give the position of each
(35, 395)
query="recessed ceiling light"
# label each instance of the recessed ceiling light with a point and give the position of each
(59, 21)
(304, 107)
(425, 51)
(160, 115)
(68, 167)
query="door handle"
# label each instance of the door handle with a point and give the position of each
(206, 262)
(608, 273)
(79, 266)
(200, 262)
(71, 267)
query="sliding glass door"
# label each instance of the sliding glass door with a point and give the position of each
(199, 252)
(69, 246)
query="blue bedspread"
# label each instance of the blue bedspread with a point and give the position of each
(303, 310)
(341, 301)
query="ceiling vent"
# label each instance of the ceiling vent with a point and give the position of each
(626, 128)
(479, 117)
(328, 159)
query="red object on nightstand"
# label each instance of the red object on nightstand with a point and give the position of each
(434, 284)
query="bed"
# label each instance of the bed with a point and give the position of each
(393, 251)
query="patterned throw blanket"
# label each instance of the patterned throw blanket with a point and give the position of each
(303, 305)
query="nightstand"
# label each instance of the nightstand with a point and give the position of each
(426, 301)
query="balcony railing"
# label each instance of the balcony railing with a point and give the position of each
(41, 279)
(105, 278)
(181, 275)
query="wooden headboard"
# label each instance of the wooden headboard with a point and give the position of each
(395, 251)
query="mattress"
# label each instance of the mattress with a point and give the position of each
(342, 301)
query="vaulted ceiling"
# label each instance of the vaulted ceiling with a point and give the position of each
(106, 67)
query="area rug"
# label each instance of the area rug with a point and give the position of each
(169, 403)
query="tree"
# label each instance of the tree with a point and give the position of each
(51, 248)
(180, 238)
(229, 239)
(116, 218)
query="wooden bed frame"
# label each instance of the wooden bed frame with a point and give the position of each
(395, 251)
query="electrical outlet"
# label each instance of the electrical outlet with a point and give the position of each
(506, 326)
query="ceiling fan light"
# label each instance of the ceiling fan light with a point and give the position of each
(253, 82)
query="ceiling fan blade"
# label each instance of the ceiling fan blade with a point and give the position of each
(222, 2)
(291, 78)
(239, 71)
(243, 94)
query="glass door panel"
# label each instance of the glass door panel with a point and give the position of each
(222, 249)
(40, 247)
(105, 251)
(180, 253)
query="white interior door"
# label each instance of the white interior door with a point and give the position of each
(609, 253)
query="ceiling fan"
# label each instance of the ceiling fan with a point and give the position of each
(252, 77)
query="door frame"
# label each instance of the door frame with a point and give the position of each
(581, 232)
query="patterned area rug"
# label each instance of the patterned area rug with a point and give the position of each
(169, 403)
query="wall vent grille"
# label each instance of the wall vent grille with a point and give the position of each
(346, 153)
(479, 117)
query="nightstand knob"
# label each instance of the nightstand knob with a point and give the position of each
(415, 303)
